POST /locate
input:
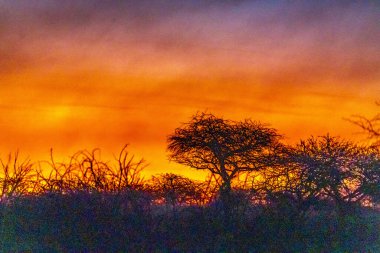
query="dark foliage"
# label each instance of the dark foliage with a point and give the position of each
(225, 148)
(320, 195)
(129, 222)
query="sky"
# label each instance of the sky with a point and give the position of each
(84, 74)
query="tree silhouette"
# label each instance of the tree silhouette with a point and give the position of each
(175, 189)
(333, 169)
(226, 148)
(370, 125)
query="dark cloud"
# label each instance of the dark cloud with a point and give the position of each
(244, 29)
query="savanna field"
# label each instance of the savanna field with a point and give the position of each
(189, 126)
(320, 195)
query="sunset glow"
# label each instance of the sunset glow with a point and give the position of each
(85, 74)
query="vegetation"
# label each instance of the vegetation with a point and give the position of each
(320, 195)
(371, 126)
(223, 147)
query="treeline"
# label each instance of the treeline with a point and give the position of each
(261, 195)
(319, 170)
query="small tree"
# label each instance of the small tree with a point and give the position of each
(175, 189)
(226, 148)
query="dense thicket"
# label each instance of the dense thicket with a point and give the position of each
(320, 195)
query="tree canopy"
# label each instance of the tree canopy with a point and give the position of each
(326, 169)
(223, 147)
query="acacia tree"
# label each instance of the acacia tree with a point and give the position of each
(334, 169)
(320, 170)
(226, 148)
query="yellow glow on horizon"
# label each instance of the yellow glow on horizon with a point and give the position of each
(59, 112)
(56, 115)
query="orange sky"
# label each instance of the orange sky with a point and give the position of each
(84, 74)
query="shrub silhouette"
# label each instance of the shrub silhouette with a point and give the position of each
(16, 178)
(176, 190)
(87, 172)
